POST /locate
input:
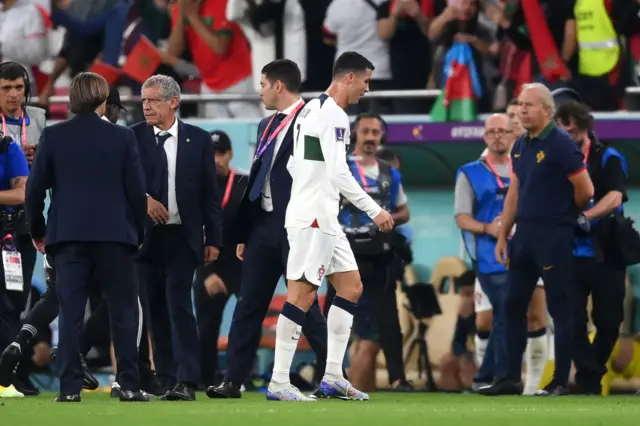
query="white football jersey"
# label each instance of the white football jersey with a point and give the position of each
(319, 169)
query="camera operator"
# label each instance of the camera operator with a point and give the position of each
(376, 323)
(597, 271)
(14, 288)
(24, 124)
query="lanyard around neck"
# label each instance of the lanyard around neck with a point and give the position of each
(24, 128)
(495, 172)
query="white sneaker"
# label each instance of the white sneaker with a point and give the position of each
(10, 392)
(342, 389)
(286, 392)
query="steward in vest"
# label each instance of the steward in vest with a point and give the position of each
(480, 191)
(598, 53)
(594, 274)
(376, 321)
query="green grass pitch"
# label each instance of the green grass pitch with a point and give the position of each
(97, 409)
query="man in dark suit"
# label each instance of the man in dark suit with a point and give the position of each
(182, 197)
(215, 283)
(95, 224)
(263, 246)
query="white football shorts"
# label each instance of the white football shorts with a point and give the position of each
(482, 303)
(314, 254)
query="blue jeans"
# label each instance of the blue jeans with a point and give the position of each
(111, 23)
(494, 286)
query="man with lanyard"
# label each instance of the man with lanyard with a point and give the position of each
(216, 282)
(376, 322)
(263, 246)
(24, 124)
(480, 190)
(14, 290)
(594, 274)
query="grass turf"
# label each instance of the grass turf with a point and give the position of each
(97, 409)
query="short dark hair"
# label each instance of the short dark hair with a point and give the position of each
(12, 71)
(87, 92)
(579, 112)
(351, 62)
(513, 101)
(385, 154)
(286, 71)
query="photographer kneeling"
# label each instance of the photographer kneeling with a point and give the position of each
(376, 324)
(14, 288)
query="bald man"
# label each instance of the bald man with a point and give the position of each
(480, 191)
(549, 187)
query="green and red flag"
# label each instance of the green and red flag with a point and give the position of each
(143, 60)
(462, 87)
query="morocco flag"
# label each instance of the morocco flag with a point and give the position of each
(461, 89)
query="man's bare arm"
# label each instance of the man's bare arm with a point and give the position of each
(15, 195)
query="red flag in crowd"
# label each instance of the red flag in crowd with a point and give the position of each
(143, 60)
(111, 74)
(551, 64)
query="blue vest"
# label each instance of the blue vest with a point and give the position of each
(384, 192)
(489, 202)
(583, 246)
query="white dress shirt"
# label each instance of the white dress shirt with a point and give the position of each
(171, 148)
(266, 202)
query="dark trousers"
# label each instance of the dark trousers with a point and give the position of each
(377, 316)
(545, 250)
(265, 258)
(494, 286)
(75, 265)
(209, 310)
(605, 284)
(167, 271)
(12, 303)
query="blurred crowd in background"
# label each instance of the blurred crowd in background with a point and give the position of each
(219, 46)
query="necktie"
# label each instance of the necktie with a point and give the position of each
(164, 169)
(267, 157)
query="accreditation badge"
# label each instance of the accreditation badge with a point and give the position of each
(12, 263)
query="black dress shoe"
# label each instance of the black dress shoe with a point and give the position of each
(224, 390)
(180, 392)
(401, 386)
(68, 398)
(151, 385)
(133, 396)
(502, 386)
(89, 381)
(553, 389)
(24, 385)
(9, 361)
(115, 390)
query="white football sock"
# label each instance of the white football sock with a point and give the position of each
(536, 359)
(287, 336)
(481, 349)
(339, 324)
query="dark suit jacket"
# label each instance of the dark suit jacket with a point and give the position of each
(93, 169)
(197, 192)
(280, 181)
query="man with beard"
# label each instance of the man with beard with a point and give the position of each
(595, 275)
(375, 324)
(480, 191)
